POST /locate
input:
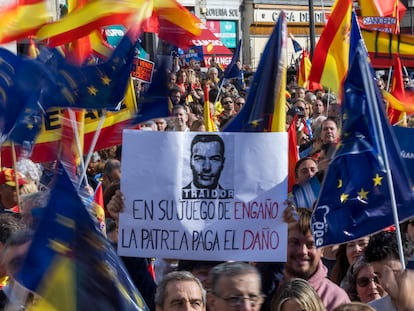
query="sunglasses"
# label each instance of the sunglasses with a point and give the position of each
(227, 102)
(364, 281)
(239, 103)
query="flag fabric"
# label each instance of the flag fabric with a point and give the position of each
(296, 45)
(155, 102)
(98, 208)
(307, 194)
(68, 151)
(293, 153)
(173, 23)
(304, 70)
(352, 205)
(355, 37)
(33, 50)
(92, 16)
(21, 82)
(232, 70)
(406, 106)
(70, 264)
(209, 123)
(23, 19)
(331, 56)
(397, 90)
(95, 86)
(265, 104)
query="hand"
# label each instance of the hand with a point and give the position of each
(400, 287)
(289, 214)
(116, 205)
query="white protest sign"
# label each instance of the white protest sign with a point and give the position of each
(205, 196)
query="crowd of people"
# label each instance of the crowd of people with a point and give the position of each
(366, 274)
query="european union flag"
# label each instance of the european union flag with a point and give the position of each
(355, 197)
(155, 102)
(70, 264)
(100, 86)
(265, 105)
(21, 82)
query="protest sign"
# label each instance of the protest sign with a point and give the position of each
(206, 196)
(142, 69)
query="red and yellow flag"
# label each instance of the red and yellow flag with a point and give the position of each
(397, 90)
(293, 154)
(208, 115)
(92, 16)
(304, 70)
(23, 19)
(330, 59)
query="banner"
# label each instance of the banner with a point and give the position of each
(221, 195)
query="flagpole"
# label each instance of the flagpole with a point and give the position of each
(371, 96)
(312, 28)
(92, 147)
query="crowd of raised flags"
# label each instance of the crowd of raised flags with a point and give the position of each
(380, 191)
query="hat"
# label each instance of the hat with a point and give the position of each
(7, 177)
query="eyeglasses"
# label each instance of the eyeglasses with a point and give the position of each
(227, 102)
(237, 301)
(239, 104)
(364, 281)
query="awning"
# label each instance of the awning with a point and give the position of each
(211, 45)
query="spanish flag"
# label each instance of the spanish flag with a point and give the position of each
(208, 115)
(331, 57)
(397, 90)
(304, 70)
(23, 19)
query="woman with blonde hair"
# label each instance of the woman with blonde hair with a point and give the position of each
(296, 295)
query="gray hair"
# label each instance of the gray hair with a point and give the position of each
(161, 294)
(37, 199)
(229, 269)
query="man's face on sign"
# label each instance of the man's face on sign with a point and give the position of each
(207, 162)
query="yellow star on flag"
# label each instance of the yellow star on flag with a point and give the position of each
(363, 194)
(255, 123)
(105, 80)
(92, 90)
(344, 197)
(377, 180)
(59, 247)
(339, 183)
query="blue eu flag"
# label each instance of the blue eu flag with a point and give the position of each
(70, 264)
(355, 198)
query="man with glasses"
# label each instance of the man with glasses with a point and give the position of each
(234, 286)
(239, 103)
(228, 112)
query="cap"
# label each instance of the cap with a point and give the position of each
(7, 177)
